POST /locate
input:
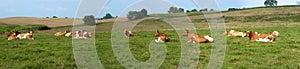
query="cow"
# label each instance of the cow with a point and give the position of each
(61, 33)
(81, 34)
(259, 37)
(202, 39)
(128, 33)
(274, 33)
(157, 33)
(196, 38)
(69, 34)
(162, 37)
(11, 35)
(235, 33)
(27, 35)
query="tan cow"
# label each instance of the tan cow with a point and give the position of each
(235, 33)
(61, 33)
(13, 35)
(274, 33)
(128, 33)
(162, 37)
(27, 35)
(196, 38)
(259, 37)
(81, 34)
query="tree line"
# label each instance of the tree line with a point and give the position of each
(132, 15)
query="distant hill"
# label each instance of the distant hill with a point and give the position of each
(279, 14)
(51, 22)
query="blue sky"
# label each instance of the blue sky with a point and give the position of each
(68, 8)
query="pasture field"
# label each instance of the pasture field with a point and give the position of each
(48, 51)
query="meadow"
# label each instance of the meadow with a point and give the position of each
(48, 51)
(51, 52)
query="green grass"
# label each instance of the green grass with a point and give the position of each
(10, 27)
(47, 51)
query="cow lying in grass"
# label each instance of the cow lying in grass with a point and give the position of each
(81, 34)
(61, 33)
(259, 37)
(235, 33)
(128, 33)
(162, 37)
(196, 38)
(13, 35)
(18, 35)
(76, 35)
(274, 33)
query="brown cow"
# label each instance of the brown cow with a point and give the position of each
(196, 38)
(274, 33)
(61, 33)
(11, 35)
(256, 36)
(27, 35)
(161, 37)
(235, 33)
(80, 34)
(128, 33)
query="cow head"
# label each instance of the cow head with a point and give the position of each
(274, 33)
(271, 38)
(156, 33)
(247, 33)
(185, 32)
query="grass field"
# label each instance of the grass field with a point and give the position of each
(48, 51)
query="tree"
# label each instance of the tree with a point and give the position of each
(89, 20)
(173, 9)
(194, 10)
(54, 17)
(205, 9)
(107, 16)
(137, 14)
(47, 17)
(187, 10)
(270, 3)
(180, 10)
(233, 9)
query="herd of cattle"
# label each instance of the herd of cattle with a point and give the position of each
(197, 38)
(29, 35)
(161, 37)
(77, 34)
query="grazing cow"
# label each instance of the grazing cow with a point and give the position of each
(255, 36)
(61, 33)
(196, 38)
(274, 33)
(161, 37)
(235, 33)
(27, 35)
(128, 33)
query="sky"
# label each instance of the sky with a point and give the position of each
(69, 8)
